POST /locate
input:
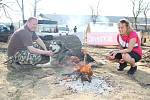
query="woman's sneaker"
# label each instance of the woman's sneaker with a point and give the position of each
(122, 66)
(132, 70)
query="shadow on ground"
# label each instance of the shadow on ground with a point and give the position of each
(141, 77)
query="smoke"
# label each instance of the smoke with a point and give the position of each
(103, 23)
(79, 21)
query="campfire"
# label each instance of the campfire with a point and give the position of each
(83, 80)
(83, 72)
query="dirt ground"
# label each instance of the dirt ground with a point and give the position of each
(43, 83)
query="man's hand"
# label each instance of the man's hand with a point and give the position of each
(49, 53)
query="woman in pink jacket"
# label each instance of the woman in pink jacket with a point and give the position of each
(130, 50)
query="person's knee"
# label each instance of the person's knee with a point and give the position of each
(128, 58)
(124, 56)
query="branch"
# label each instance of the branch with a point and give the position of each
(92, 9)
(133, 8)
(18, 4)
(7, 6)
(6, 13)
(146, 9)
(98, 7)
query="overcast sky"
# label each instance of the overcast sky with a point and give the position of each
(75, 7)
(106, 7)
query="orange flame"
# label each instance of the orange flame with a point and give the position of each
(86, 68)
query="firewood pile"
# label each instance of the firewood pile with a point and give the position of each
(146, 58)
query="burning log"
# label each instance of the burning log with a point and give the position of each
(82, 71)
(85, 72)
(86, 69)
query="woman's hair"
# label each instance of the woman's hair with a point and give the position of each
(127, 23)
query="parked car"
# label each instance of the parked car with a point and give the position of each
(53, 30)
(4, 33)
(63, 30)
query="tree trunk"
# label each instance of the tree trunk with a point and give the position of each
(23, 11)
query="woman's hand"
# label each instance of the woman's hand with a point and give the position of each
(121, 61)
(111, 55)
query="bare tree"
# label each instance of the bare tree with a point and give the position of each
(95, 14)
(21, 6)
(131, 19)
(4, 6)
(35, 6)
(145, 11)
(137, 8)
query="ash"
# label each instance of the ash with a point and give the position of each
(97, 85)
